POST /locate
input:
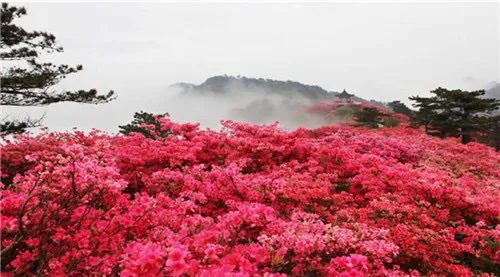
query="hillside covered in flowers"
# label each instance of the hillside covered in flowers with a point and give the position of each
(249, 201)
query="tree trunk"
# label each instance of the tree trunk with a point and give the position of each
(466, 138)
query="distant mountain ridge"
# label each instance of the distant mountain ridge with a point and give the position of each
(226, 84)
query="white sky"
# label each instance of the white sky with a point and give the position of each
(382, 51)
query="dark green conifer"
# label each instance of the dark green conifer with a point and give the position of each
(27, 82)
(455, 113)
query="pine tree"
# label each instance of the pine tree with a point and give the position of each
(369, 117)
(399, 107)
(454, 113)
(146, 124)
(28, 82)
(490, 131)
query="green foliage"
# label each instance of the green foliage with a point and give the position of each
(146, 124)
(455, 113)
(344, 112)
(390, 121)
(17, 126)
(399, 107)
(369, 117)
(490, 131)
(28, 82)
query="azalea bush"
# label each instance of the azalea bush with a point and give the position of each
(357, 114)
(249, 201)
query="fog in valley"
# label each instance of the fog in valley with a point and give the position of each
(204, 106)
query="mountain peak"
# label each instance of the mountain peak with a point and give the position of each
(223, 84)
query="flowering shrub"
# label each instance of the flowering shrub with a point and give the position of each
(249, 201)
(357, 114)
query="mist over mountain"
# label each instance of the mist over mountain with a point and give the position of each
(258, 100)
(225, 84)
(493, 91)
(253, 100)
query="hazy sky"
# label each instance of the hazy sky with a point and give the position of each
(381, 51)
